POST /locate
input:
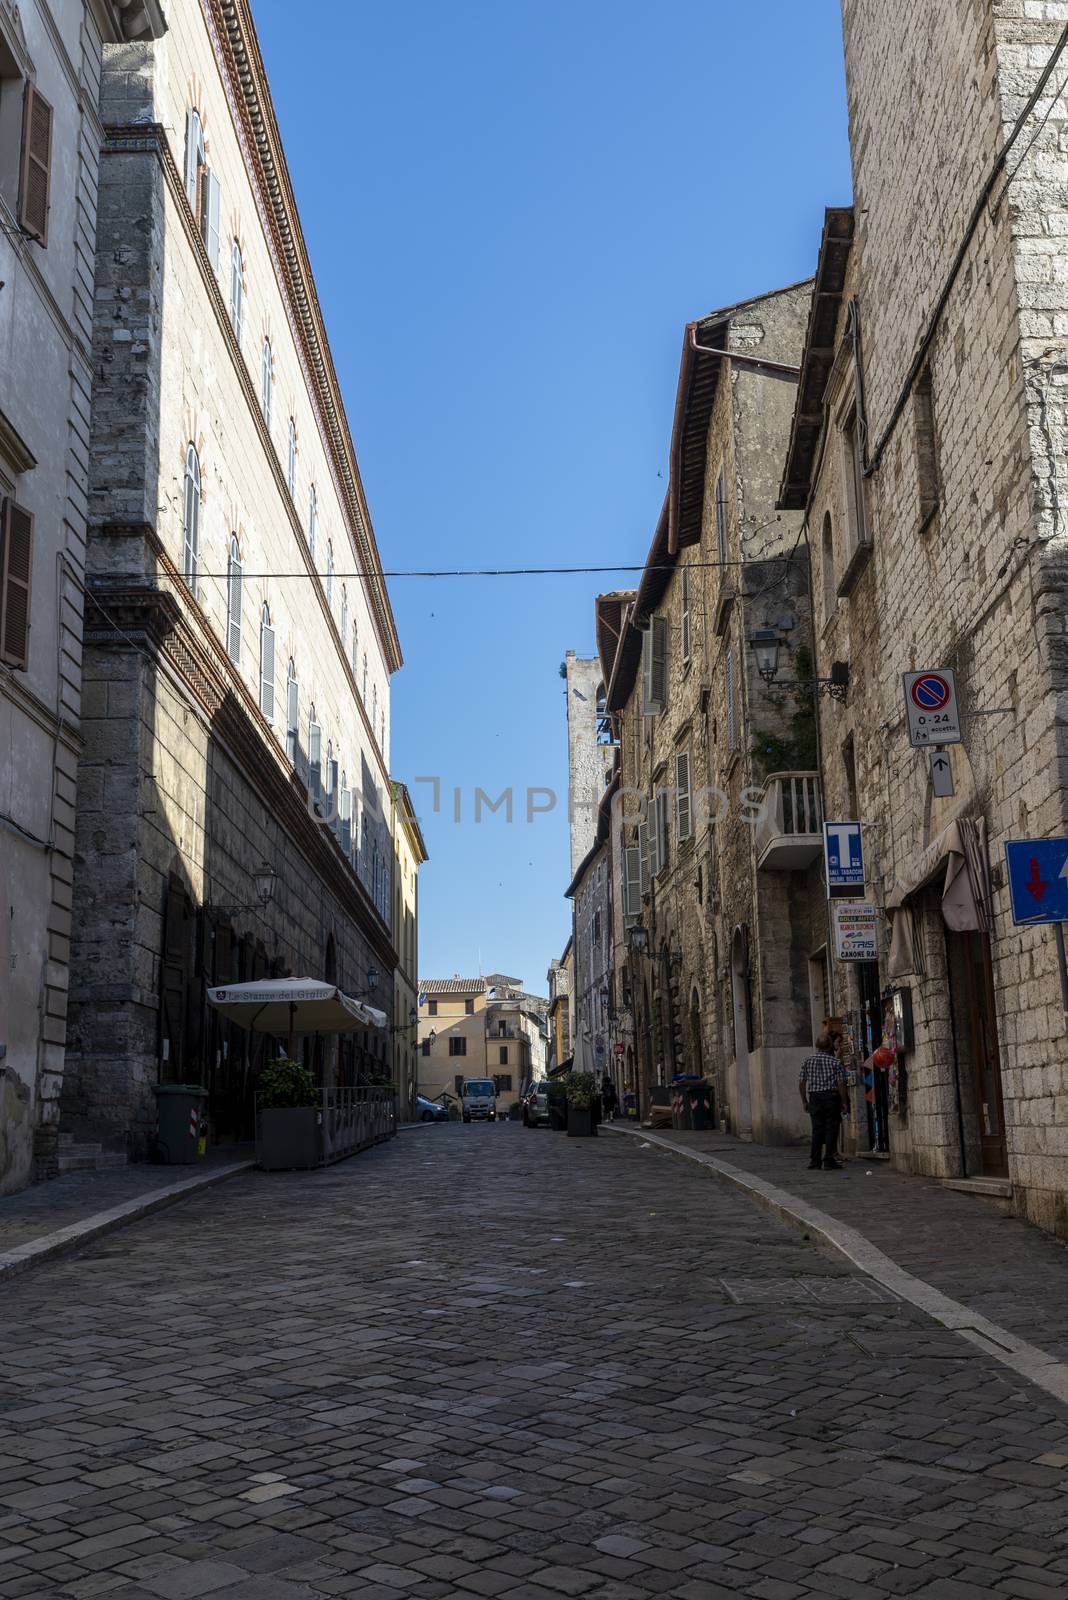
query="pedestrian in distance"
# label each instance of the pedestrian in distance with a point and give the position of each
(608, 1098)
(824, 1086)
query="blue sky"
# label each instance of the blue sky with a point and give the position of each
(513, 207)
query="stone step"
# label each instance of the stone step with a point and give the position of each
(77, 1158)
(988, 1188)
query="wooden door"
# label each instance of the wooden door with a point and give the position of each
(985, 1056)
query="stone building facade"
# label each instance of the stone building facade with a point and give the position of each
(409, 855)
(591, 894)
(486, 1027)
(722, 919)
(559, 979)
(937, 538)
(590, 757)
(50, 139)
(233, 719)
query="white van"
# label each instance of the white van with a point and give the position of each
(478, 1100)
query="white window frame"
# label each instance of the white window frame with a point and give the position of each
(195, 158)
(313, 521)
(315, 754)
(330, 572)
(191, 519)
(237, 290)
(267, 664)
(292, 713)
(683, 796)
(234, 578)
(267, 382)
(291, 460)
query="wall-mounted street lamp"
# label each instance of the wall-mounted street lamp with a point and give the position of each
(765, 644)
(264, 879)
(637, 940)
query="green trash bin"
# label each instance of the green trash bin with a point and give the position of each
(183, 1123)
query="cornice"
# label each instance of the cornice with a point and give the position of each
(233, 33)
(150, 139)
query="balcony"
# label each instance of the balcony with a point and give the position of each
(790, 834)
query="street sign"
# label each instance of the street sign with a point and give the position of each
(941, 774)
(931, 706)
(1038, 879)
(617, 1049)
(843, 858)
(856, 931)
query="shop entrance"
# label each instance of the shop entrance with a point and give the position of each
(875, 1080)
(977, 1054)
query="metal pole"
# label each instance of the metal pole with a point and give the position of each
(1059, 928)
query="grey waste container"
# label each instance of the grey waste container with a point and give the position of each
(182, 1122)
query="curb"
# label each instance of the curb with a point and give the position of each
(65, 1240)
(1027, 1360)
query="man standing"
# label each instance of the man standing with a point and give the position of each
(825, 1096)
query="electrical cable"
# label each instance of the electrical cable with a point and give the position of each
(448, 572)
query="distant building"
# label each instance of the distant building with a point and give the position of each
(480, 1028)
(409, 854)
(590, 757)
(560, 976)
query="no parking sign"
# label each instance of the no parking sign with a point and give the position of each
(931, 706)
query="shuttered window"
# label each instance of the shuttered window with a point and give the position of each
(330, 572)
(684, 629)
(643, 856)
(16, 564)
(267, 382)
(632, 884)
(344, 613)
(654, 666)
(355, 646)
(684, 802)
(364, 694)
(721, 519)
(191, 519)
(194, 158)
(237, 290)
(267, 665)
(313, 519)
(662, 834)
(234, 571)
(292, 714)
(291, 461)
(315, 756)
(211, 206)
(732, 721)
(36, 166)
(345, 807)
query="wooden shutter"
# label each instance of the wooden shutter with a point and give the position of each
(292, 719)
(16, 563)
(659, 662)
(267, 671)
(732, 724)
(210, 220)
(35, 173)
(643, 856)
(682, 783)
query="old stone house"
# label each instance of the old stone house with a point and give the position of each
(237, 665)
(50, 138)
(485, 1027)
(927, 455)
(591, 892)
(717, 920)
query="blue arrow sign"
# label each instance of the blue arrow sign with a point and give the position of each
(1038, 879)
(843, 856)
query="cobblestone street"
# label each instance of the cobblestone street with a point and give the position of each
(456, 1365)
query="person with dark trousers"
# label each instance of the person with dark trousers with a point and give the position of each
(824, 1087)
(608, 1098)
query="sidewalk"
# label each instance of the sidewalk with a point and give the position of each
(59, 1215)
(996, 1266)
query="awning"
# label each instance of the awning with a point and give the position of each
(565, 1066)
(294, 1006)
(966, 894)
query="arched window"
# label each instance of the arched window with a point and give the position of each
(330, 786)
(291, 461)
(315, 754)
(364, 695)
(330, 572)
(195, 161)
(266, 664)
(313, 519)
(292, 713)
(374, 709)
(191, 518)
(267, 382)
(355, 647)
(344, 612)
(830, 595)
(234, 571)
(237, 290)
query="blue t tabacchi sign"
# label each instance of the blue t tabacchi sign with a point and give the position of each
(843, 856)
(1038, 879)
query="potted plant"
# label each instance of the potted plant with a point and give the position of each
(290, 1117)
(581, 1091)
(557, 1106)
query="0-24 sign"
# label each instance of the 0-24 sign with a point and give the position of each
(931, 706)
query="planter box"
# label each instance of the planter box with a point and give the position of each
(580, 1122)
(290, 1138)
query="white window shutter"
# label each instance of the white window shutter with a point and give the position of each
(211, 216)
(293, 719)
(647, 672)
(233, 626)
(632, 883)
(315, 758)
(659, 669)
(267, 671)
(192, 156)
(682, 784)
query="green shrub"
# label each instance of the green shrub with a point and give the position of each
(285, 1083)
(581, 1090)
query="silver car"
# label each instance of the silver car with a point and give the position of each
(536, 1106)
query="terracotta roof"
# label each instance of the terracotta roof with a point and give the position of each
(818, 358)
(452, 985)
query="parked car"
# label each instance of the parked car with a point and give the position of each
(479, 1100)
(536, 1106)
(430, 1110)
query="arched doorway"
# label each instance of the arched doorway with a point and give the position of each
(742, 1098)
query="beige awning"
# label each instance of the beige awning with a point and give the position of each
(966, 894)
(294, 1006)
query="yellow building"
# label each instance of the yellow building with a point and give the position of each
(561, 986)
(409, 853)
(480, 1028)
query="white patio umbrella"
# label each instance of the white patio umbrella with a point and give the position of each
(292, 1006)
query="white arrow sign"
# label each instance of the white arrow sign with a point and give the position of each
(941, 775)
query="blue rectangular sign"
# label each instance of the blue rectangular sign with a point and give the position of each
(843, 856)
(1038, 879)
